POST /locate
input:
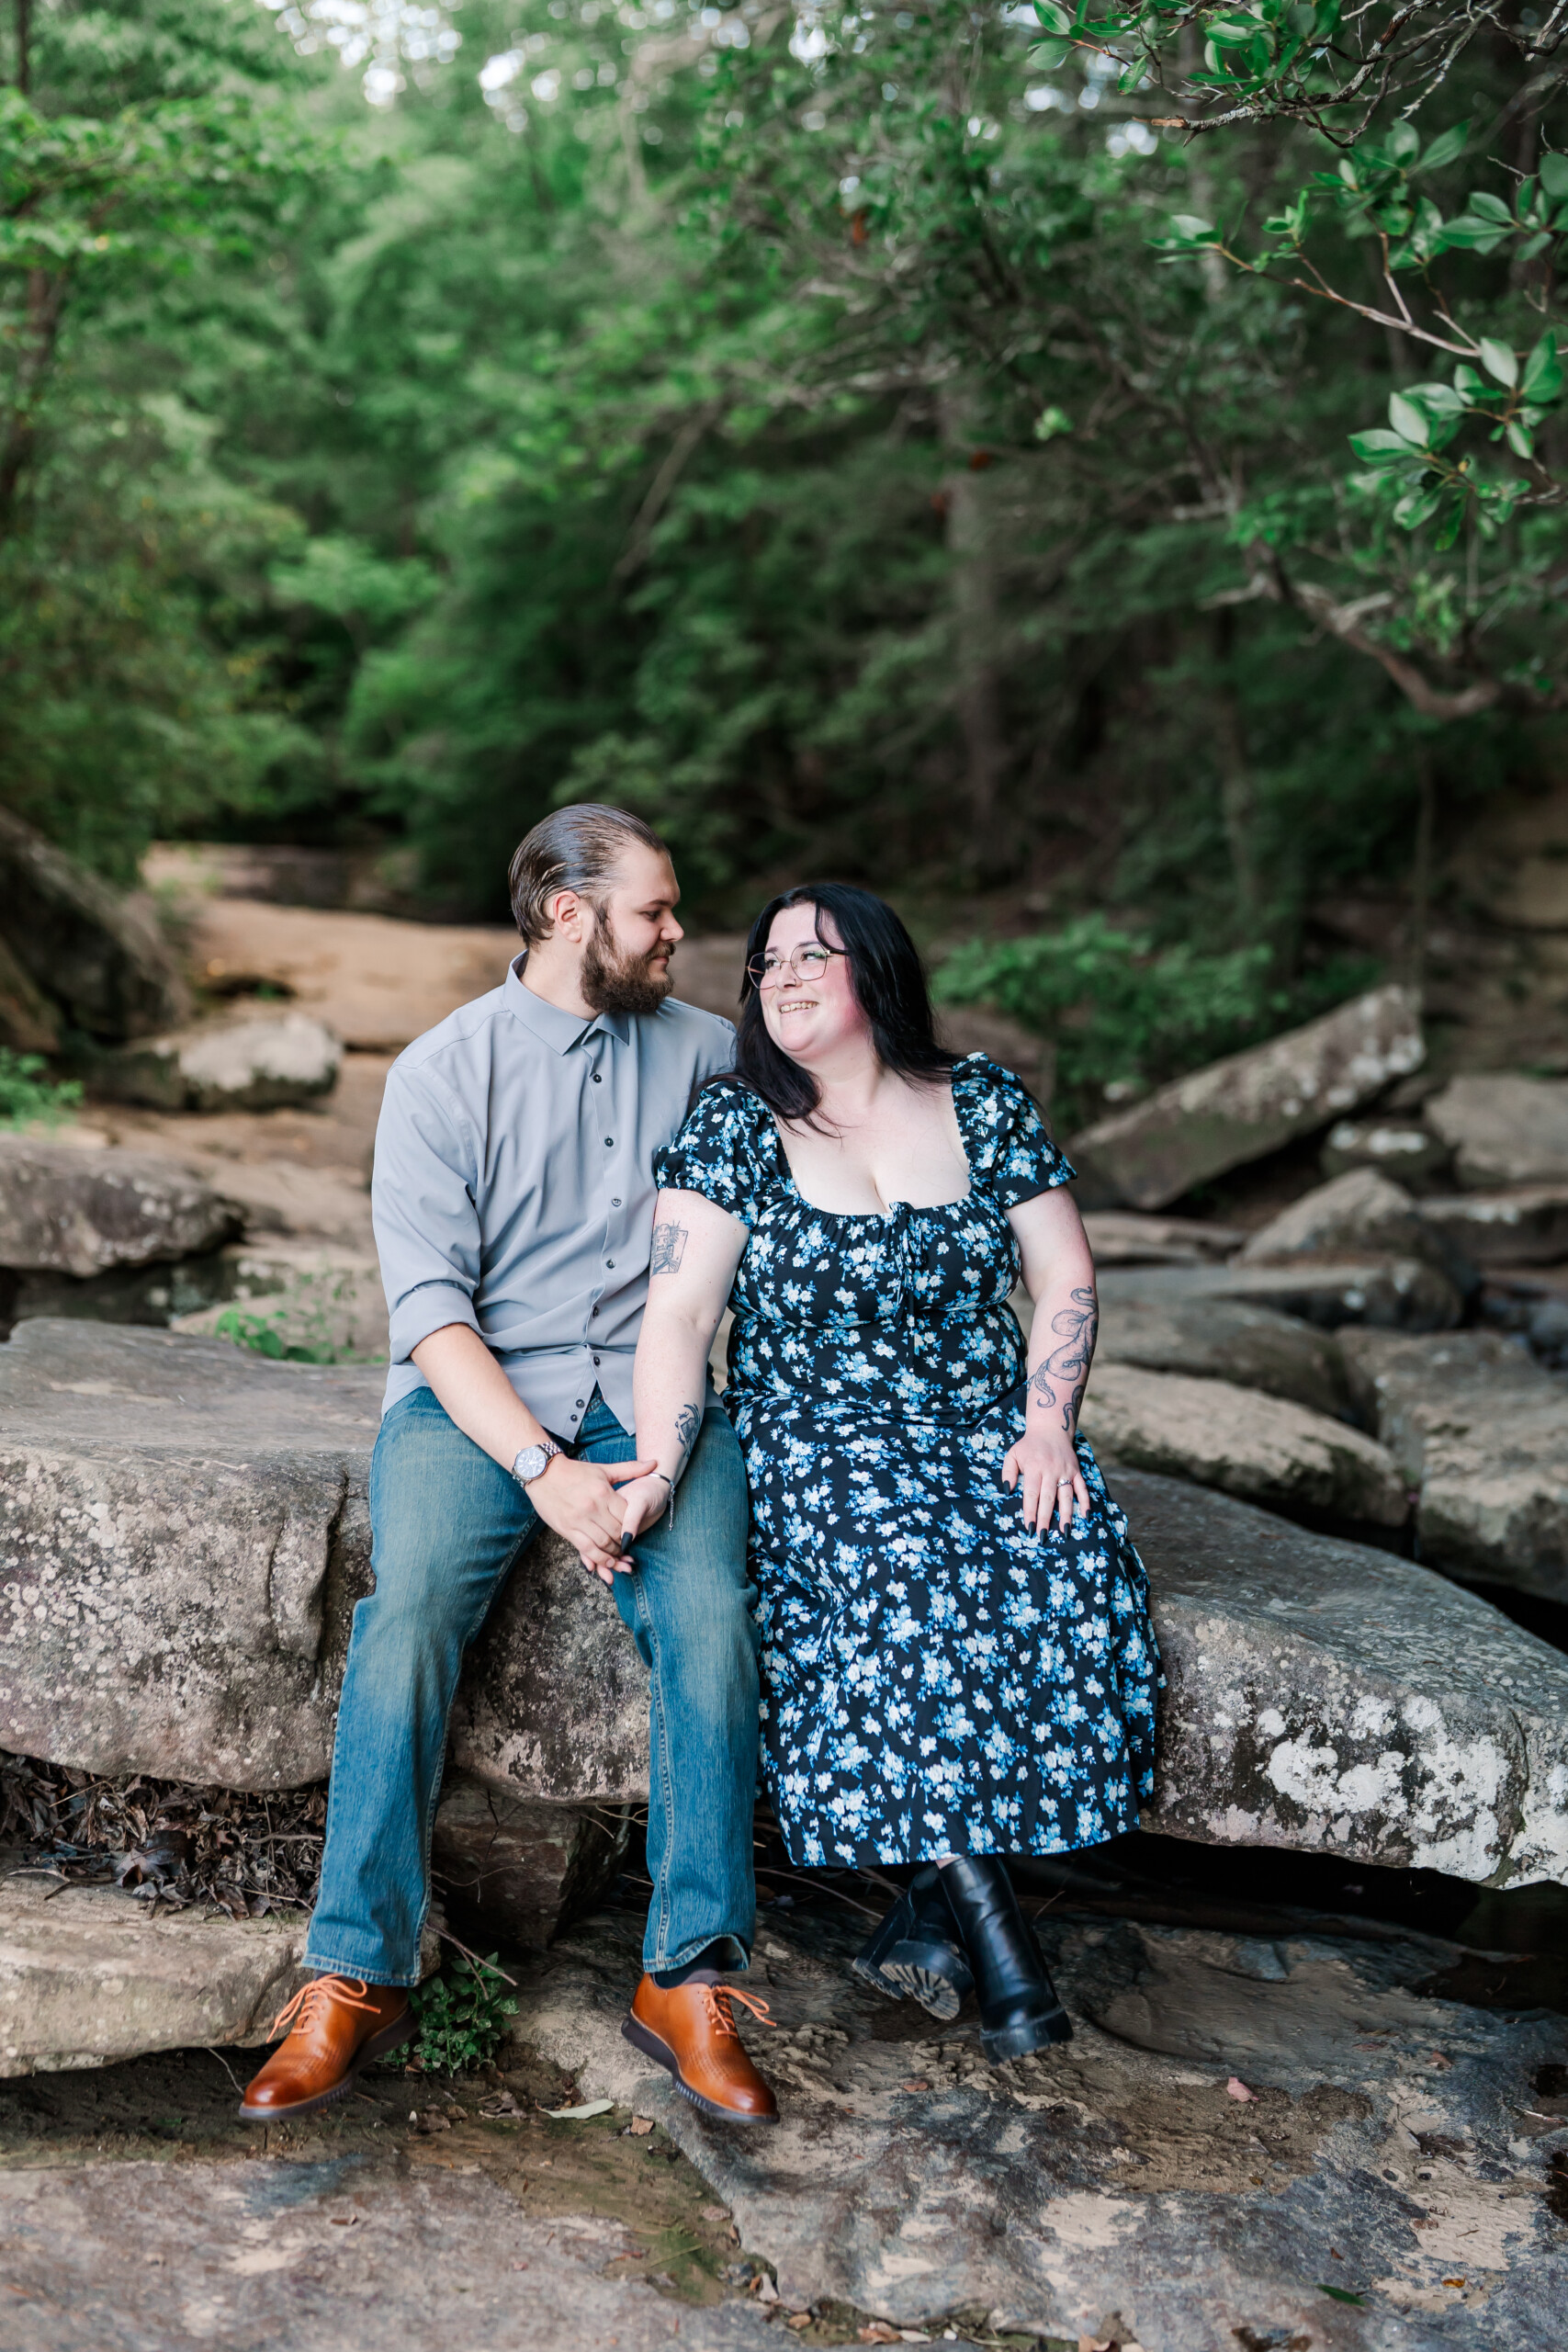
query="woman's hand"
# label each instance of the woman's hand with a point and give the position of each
(643, 1503)
(1044, 1463)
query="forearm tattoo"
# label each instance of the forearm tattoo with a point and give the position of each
(1076, 1326)
(688, 1422)
(668, 1248)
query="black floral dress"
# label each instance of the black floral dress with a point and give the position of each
(936, 1677)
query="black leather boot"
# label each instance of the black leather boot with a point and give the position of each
(915, 1953)
(1019, 2008)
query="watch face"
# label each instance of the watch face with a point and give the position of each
(529, 1463)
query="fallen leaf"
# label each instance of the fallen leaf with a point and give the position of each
(765, 2290)
(1237, 2088)
(1453, 2282)
(1438, 2059)
(878, 2333)
(798, 2320)
(916, 2083)
(641, 2126)
(580, 2114)
(716, 2213)
(1341, 2295)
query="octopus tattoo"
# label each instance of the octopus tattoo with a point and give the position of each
(688, 1420)
(1077, 1327)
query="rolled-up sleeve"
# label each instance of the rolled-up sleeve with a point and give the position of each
(422, 1204)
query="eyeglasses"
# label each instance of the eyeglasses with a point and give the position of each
(804, 964)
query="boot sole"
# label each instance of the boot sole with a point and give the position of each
(931, 1974)
(642, 2038)
(390, 2038)
(1030, 2033)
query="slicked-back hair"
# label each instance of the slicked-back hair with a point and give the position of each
(574, 849)
(886, 976)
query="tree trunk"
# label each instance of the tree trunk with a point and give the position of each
(24, 46)
(1238, 790)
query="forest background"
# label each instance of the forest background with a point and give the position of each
(887, 441)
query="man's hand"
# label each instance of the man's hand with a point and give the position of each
(1045, 1463)
(578, 1500)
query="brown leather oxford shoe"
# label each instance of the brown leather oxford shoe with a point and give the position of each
(692, 2031)
(336, 2025)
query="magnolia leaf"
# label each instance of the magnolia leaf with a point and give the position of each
(1447, 148)
(1554, 175)
(1543, 370)
(1499, 361)
(1381, 447)
(1406, 418)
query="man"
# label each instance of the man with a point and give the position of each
(513, 1207)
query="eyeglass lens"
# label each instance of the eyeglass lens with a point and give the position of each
(806, 961)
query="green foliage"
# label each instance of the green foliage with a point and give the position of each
(1123, 1016)
(463, 2016)
(29, 1096)
(262, 1335)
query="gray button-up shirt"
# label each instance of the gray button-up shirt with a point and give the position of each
(514, 1187)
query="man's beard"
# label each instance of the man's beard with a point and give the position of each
(612, 981)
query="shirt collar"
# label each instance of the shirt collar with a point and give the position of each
(560, 1031)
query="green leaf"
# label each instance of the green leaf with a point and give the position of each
(1050, 54)
(1447, 148)
(1056, 19)
(1499, 361)
(1450, 523)
(1403, 143)
(1543, 370)
(1520, 441)
(1233, 32)
(1472, 236)
(1483, 206)
(1340, 2294)
(1049, 422)
(1418, 506)
(1533, 245)
(1554, 175)
(1190, 230)
(1468, 384)
(1381, 447)
(1437, 400)
(1407, 420)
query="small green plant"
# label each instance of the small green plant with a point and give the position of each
(1125, 1015)
(29, 1096)
(462, 2016)
(263, 1337)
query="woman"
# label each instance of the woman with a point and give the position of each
(957, 1654)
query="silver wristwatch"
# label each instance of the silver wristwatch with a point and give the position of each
(534, 1461)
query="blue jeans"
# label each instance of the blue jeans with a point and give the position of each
(449, 1526)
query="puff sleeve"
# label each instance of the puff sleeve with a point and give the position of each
(719, 1152)
(1010, 1150)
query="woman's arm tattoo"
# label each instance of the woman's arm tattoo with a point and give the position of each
(688, 1422)
(668, 1248)
(1076, 1326)
(1041, 1389)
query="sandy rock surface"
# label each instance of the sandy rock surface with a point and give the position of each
(1504, 1130)
(1388, 1294)
(69, 1211)
(1481, 1431)
(1114, 2187)
(257, 1062)
(1238, 1109)
(1225, 1338)
(1265, 1449)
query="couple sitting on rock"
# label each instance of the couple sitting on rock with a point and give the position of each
(574, 1176)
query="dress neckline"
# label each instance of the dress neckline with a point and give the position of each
(886, 1216)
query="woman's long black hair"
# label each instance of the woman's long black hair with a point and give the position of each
(886, 976)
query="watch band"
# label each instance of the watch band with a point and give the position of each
(533, 1461)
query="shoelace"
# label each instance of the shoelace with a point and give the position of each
(719, 2005)
(301, 2010)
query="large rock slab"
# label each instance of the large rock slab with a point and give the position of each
(1399, 1148)
(1124, 1238)
(1250, 1103)
(1225, 1338)
(67, 1211)
(1112, 2190)
(1388, 1294)
(88, 1978)
(99, 955)
(1504, 1130)
(1262, 1448)
(1361, 1213)
(1329, 1697)
(183, 1532)
(261, 1063)
(1481, 1432)
(514, 1869)
(1527, 1226)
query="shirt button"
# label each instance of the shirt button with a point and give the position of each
(615, 1202)
(580, 1404)
(595, 1359)
(594, 1310)
(609, 1262)
(609, 1143)
(597, 1080)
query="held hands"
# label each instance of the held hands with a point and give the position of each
(1045, 1463)
(643, 1503)
(580, 1500)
